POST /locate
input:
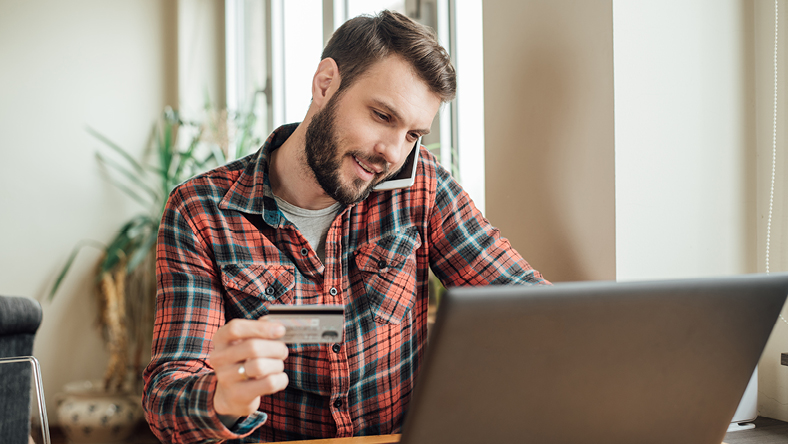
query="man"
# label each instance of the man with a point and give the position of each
(299, 223)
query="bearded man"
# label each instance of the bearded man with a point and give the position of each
(301, 222)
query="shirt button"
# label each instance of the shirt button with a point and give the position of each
(382, 263)
(304, 252)
(336, 348)
(333, 291)
(270, 291)
(338, 403)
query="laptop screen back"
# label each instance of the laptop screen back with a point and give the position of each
(593, 362)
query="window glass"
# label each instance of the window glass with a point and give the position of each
(303, 44)
(252, 96)
(358, 7)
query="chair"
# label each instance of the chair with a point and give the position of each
(19, 321)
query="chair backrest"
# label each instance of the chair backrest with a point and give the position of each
(19, 321)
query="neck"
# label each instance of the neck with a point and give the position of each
(291, 178)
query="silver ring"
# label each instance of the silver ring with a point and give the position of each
(242, 372)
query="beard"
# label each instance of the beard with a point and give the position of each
(325, 159)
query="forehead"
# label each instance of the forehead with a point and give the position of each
(393, 81)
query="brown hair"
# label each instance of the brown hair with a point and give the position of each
(365, 40)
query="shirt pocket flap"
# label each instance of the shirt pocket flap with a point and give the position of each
(266, 282)
(388, 252)
(388, 271)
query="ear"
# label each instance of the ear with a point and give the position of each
(325, 82)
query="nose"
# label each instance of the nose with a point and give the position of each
(390, 149)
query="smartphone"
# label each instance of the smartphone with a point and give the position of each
(406, 176)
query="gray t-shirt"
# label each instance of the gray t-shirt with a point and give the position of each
(313, 224)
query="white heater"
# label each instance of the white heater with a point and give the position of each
(748, 407)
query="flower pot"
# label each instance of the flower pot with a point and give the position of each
(89, 414)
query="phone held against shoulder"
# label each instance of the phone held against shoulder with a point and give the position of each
(406, 175)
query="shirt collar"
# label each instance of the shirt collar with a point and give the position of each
(252, 193)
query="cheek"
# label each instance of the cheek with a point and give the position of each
(357, 131)
(347, 141)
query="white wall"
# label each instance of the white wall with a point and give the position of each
(65, 66)
(773, 377)
(693, 98)
(685, 160)
(685, 145)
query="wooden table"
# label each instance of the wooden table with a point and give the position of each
(383, 439)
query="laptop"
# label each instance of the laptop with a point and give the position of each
(662, 362)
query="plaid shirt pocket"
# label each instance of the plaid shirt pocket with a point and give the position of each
(388, 269)
(249, 285)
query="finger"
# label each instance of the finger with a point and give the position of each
(256, 348)
(260, 368)
(246, 350)
(241, 399)
(239, 329)
(243, 373)
(268, 385)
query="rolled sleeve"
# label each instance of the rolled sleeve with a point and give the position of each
(179, 382)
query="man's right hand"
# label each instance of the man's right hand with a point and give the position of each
(253, 345)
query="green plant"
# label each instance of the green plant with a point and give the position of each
(128, 259)
(452, 165)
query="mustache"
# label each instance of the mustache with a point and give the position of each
(374, 160)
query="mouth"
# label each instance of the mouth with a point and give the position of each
(364, 166)
(367, 171)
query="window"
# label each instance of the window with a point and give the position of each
(273, 48)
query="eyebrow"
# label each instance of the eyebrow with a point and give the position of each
(381, 104)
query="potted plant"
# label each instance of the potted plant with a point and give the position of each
(125, 274)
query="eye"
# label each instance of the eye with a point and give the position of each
(381, 116)
(412, 137)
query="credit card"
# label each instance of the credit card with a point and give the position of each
(309, 324)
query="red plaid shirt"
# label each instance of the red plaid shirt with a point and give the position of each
(226, 251)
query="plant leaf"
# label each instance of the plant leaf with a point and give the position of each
(187, 155)
(135, 179)
(143, 249)
(136, 165)
(131, 193)
(123, 244)
(70, 262)
(165, 148)
(218, 155)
